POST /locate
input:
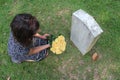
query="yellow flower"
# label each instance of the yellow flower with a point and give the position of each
(59, 45)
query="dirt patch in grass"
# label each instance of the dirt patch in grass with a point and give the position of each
(62, 12)
(67, 70)
(62, 18)
(96, 75)
(71, 69)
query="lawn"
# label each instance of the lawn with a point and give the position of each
(55, 18)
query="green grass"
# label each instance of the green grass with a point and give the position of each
(55, 18)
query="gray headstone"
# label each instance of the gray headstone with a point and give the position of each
(85, 31)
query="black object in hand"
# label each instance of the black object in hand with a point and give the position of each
(50, 38)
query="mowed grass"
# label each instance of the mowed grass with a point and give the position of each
(55, 18)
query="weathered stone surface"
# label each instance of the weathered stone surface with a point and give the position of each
(84, 31)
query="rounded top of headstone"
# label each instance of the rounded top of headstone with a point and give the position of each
(89, 21)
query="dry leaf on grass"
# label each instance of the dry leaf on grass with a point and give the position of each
(95, 56)
(8, 78)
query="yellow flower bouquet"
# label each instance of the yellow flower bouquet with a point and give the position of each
(58, 45)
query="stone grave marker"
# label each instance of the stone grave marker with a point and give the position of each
(85, 31)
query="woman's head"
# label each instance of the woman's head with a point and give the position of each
(24, 26)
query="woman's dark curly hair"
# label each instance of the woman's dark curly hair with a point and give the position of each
(23, 27)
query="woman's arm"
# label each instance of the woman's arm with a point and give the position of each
(41, 36)
(38, 49)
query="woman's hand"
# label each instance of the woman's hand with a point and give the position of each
(45, 36)
(42, 36)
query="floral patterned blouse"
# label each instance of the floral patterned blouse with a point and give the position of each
(20, 53)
